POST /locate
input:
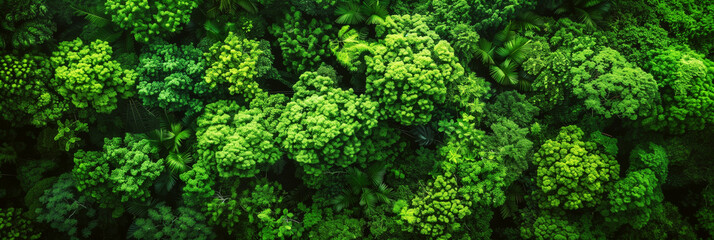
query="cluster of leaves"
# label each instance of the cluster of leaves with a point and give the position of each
(304, 45)
(25, 23)
(685, 79)
(407, 126)
(239, 63)
(436, 212)
(14, 226)
(149, 20)
(163, 222)
(342, 117)
(87, 76)
(124, 170)
(171, 77)
(503, 55)
(67, 210)
(480, 173)
(687, 20)
(408, 71)
(610, 86)
(573, 173)
(237, 140)
(26, 90)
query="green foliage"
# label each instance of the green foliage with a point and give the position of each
(220, 26)
(304, 45)
(32, 172)
(573, 173)
(609, 143)
(171, 77)
(408, 73)
(150, 20)
(261, 204)
(468, 94)
(611, 86)
(480, 173)
(633, 37)
(368, 11)
(633, 197)
(25, 23)
(589, 12)
(16, 227)
(199, 182)
(87, 76)
(513, 106)
(437, 210)
(66, 210)
(688, 20)
(239, 63)
(323, 224)
(461, 21)
(67, 133)
(315, 7)
(511, 146)
(124, 171)
(236, 140)
(32, 198)
(554, 226)
(272, 106)
(705, 215)
(173, 139)
(26, 90)
(652, 157)
(342, 117)
(666, 222)
(162, 222)
(255, 212)
(349, 49)
(276, 224)
(503, 55)
(684, 78)
(364, 189)
(570, 45)
(228, 6)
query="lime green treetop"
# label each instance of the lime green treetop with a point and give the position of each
(150, 19)
(86, 75)
(572, 172)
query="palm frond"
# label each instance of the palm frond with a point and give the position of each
(505, 34)
(504, 73)
(349, 14)
(376, 173)
(485, 50)
(375, 10)
(94, 18)
(247, 5)
(424, 135)
(131, 230)
(140, 209)
(514, 49)
(528, 21)
(178, 162)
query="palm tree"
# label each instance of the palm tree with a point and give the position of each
(366, 189)
(369, 11)
(589, 12)
(169, 138)
(503, 56)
